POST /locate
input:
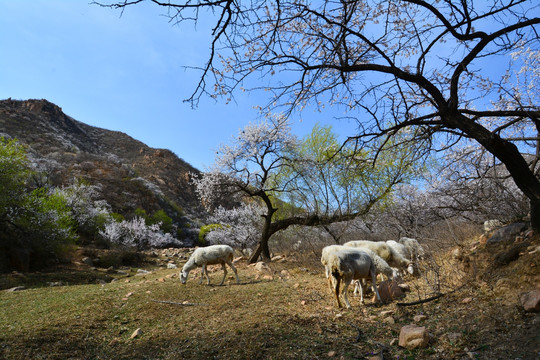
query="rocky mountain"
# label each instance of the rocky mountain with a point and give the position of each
(131, 175)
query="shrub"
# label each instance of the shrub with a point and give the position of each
(136, 234)
(36, 226)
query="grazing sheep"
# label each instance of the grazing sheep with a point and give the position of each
(210, 255)
(382, 249)
(351, 264)
(413, 246)
(381, 267)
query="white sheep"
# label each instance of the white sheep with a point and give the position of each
(416, 250)
(210, 255)
(381, 267)
(382, 249)
(351, 264)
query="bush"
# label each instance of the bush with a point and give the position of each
(136, 234)
(36, 227)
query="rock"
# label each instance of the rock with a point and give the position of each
(16, 288)
(172, 266)
(142, 272)
(386, 313)
(136, 333)
(389, 320)
(530, 301)
(467, 300)
(261, 266)
(405, 287)
(55, 283)
(457, 254)
(88, 261)
(506, 257)
(390, 290)
(419, 317)
(240, 258)
(413, 337)
(507, 233)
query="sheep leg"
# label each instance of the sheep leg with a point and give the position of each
(331, 283)
(234, 270)
(344, 292)
(224, 273)
(356, 287)
(374, 284)
(205, 272)
(337, 292)
(203, 269)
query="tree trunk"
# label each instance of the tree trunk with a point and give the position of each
(535, 216)
(262, 247)
(509, 155)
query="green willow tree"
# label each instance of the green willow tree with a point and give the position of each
(451, 73)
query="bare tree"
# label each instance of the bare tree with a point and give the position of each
(297, 183)
(443, 71)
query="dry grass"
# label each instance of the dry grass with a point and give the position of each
(288, 314)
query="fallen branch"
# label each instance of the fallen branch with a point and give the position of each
(433, 297)
(178, 303)
(360, 333)
(422, 301)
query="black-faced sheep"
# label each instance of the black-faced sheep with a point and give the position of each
(210, 255)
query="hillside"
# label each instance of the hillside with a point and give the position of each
(130, 174)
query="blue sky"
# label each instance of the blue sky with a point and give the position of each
(122, 73)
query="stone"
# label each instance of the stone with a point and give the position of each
(507, 233)
(16, 288)
(389, 320)
(136, 333)
(457, 254)
(413, 337)
(390, 290)
(530, 301)
(386, 313)
(419, 317)
(261, 266)
(88, 261)
(172, 266)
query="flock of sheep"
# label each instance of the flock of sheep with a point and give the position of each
(353, 261)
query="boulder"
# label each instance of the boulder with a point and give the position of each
(390, 290)
(413, 337)
(530, 301)
(507, 233)
(261, 266)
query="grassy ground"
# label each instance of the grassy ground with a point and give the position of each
(287, 313)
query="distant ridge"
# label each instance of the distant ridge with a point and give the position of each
(131, 174)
